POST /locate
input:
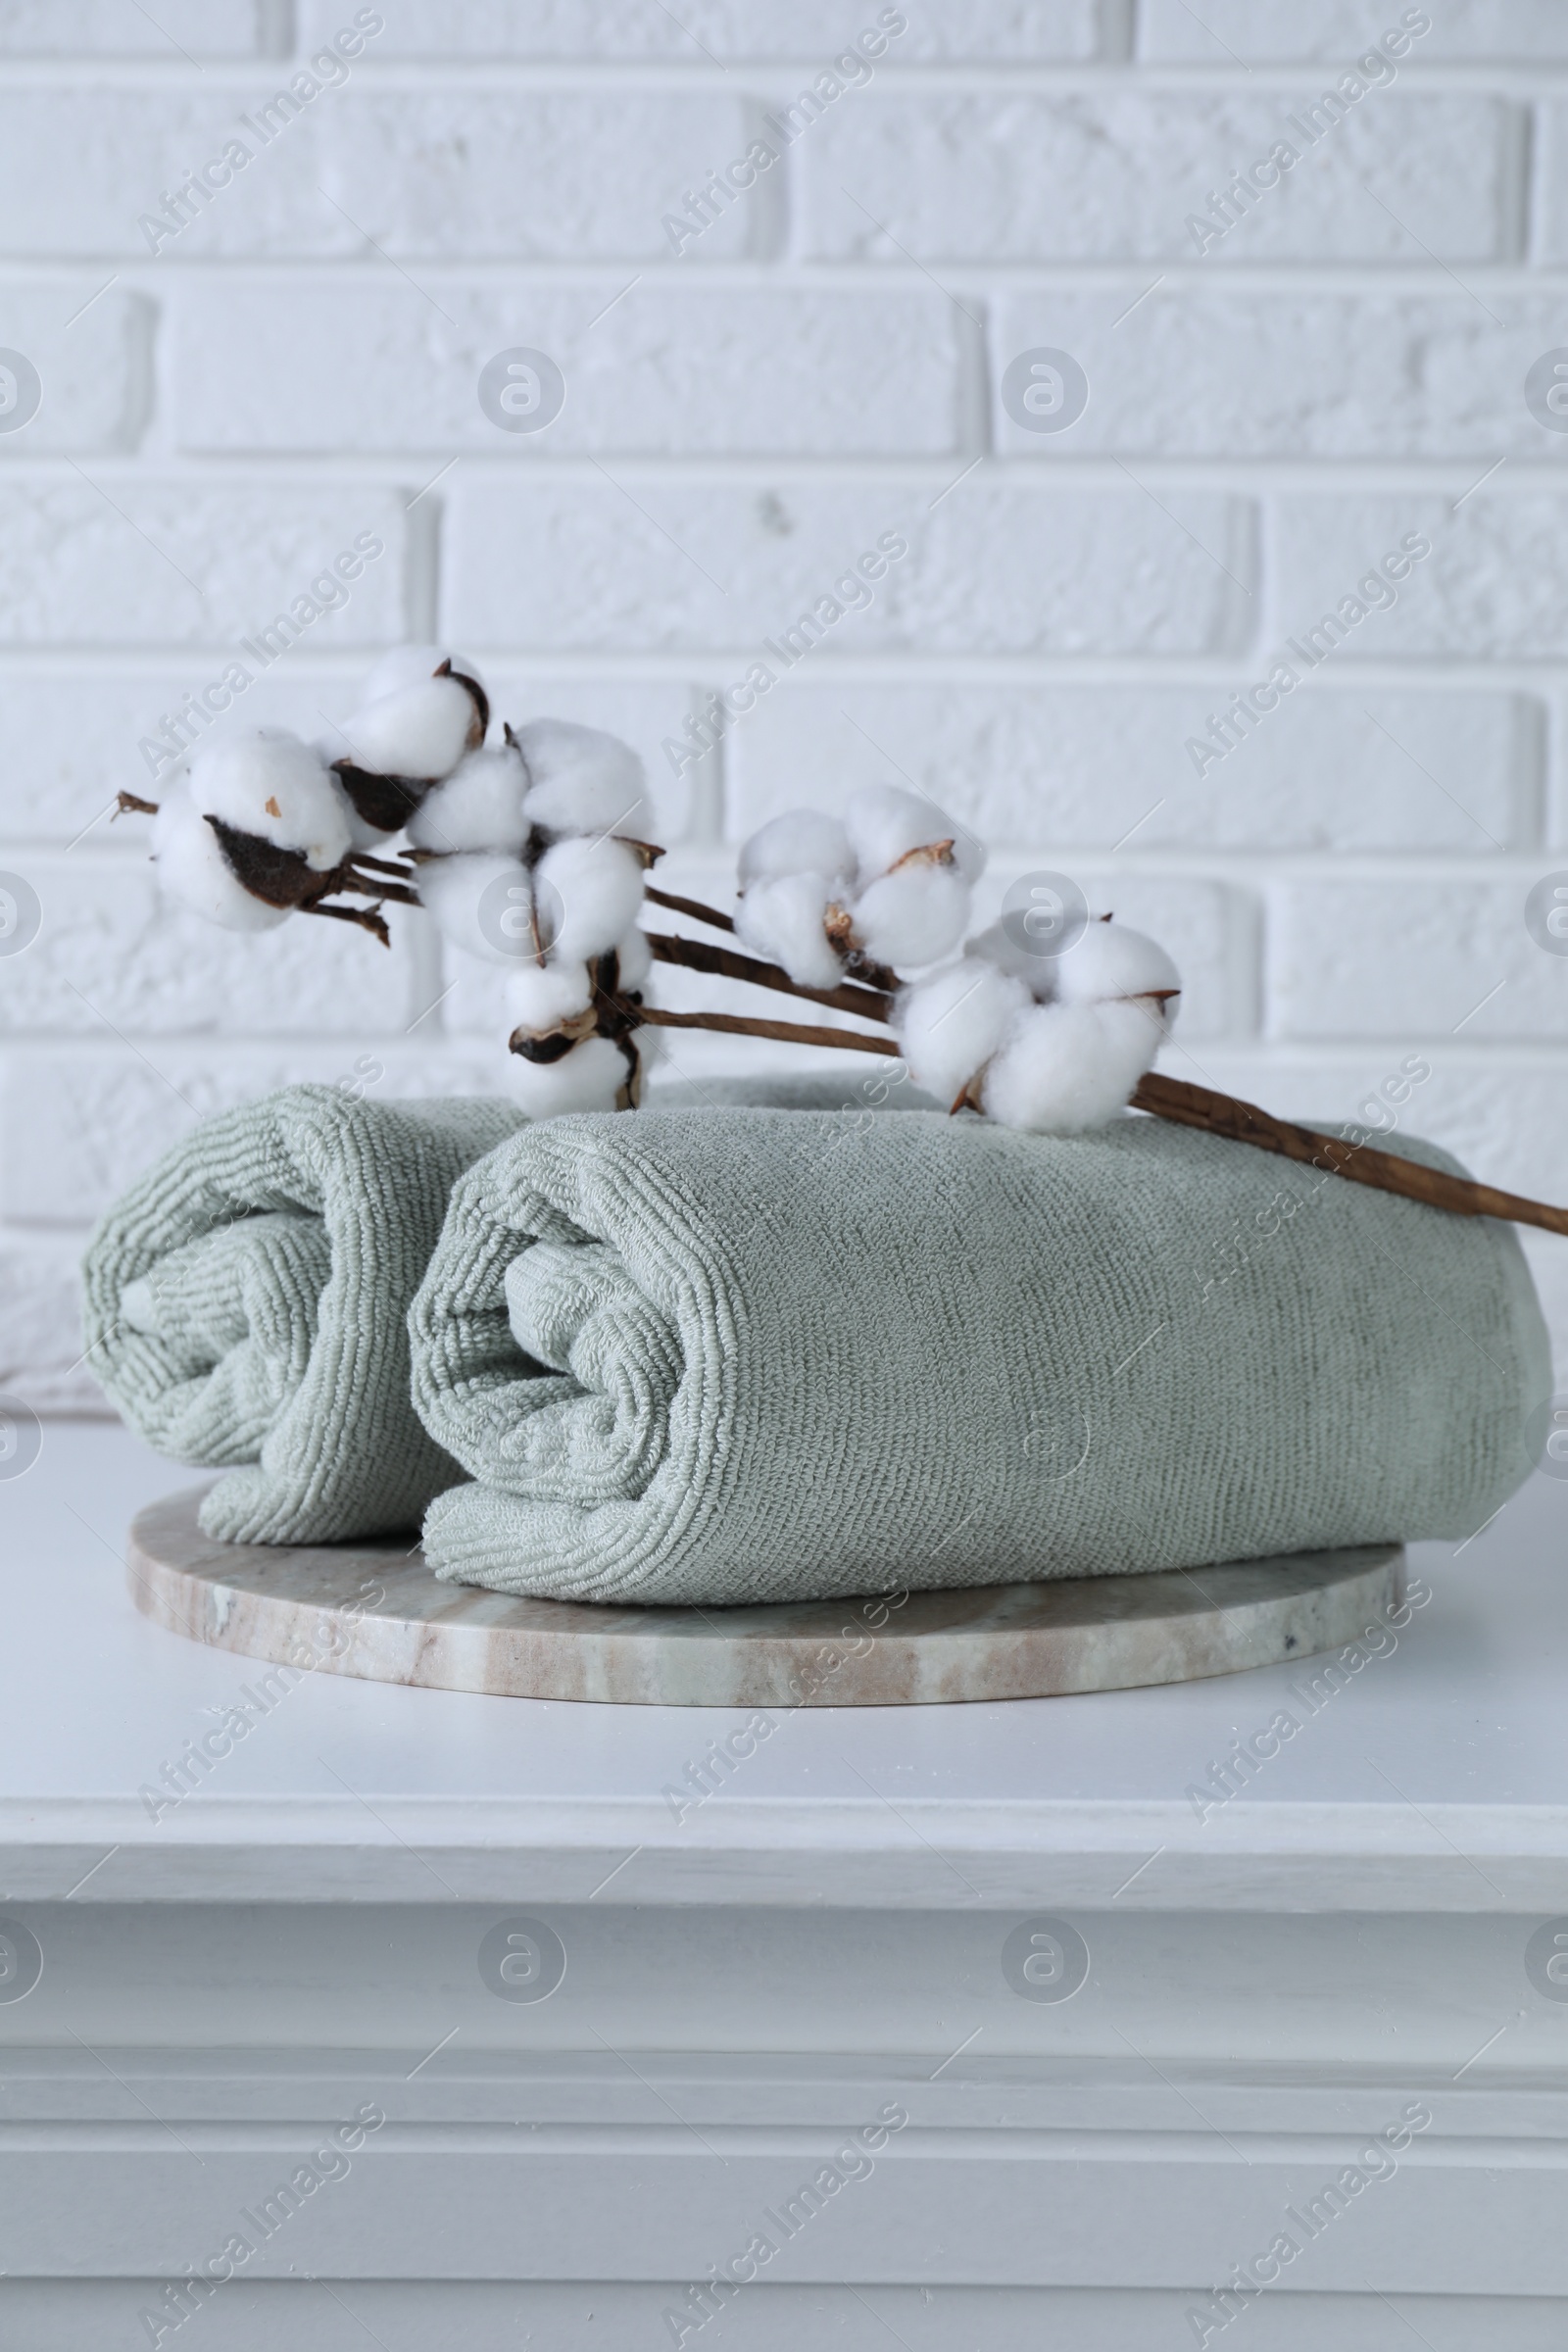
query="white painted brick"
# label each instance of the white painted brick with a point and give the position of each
(77, 28)
(1552, 136)
(1411, 957)
(989, 569)
(985, 177)
(672, 370)
(1079, 767)
(1208, 373)
(110, 955)
(41, 1325)
(1556, 823)
(810, 30)
(94, 372)
(1337, 31)
(80, 1122)
(1490, 589)
(147, 562)
(79, 169)
(535, 175)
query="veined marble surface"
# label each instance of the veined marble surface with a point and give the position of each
(374, 1610)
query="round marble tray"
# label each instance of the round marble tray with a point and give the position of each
(374, 1609)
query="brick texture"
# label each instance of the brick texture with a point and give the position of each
(257, 294)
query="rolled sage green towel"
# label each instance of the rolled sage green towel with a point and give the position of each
(246, 1306)
(753, 1355)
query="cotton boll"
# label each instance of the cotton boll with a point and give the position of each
(782, 920)
(480, 805)
(581, 780)
(885, 823)
(539, 997)
(996, 947)
(1062, 1069)
(803, 840)
(1109, 960)
(950, 1025)
(420, 732)
(634, 960)
(589, 894)
(481, 904)
(264, 781)
(913, 917)
(409, 666)
(588, 1078)
(193, 870)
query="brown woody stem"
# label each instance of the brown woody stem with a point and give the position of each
(789, 1033)
(133, 801)
(353, 914)
(1222, 1114)
(696, 955)
(371, 887)
(379, 866)
(692, 907)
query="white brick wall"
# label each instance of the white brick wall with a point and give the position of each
(1268, 416)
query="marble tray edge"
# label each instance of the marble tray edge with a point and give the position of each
(705, 1664)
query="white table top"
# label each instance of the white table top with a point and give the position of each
(1437, 1780)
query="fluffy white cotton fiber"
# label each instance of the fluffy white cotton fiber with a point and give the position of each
(264, 781)
(481, 904)
(539, 997)
(588, 1078)
(885, 823)
(479, 807)
(951, 1024)
(912, 916)
(420, 732)
(581, 780)
(803, 840)
(1064, 1068)
(1109, 960)
(906, 905)
(782, 920)
(634, 960)
(192, 868)
(409, 666)
(589, 893)
(996, 945)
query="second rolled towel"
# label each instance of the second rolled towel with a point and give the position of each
(753, 1355)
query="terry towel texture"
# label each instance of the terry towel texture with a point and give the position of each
(246, 1303)
(753, 1355)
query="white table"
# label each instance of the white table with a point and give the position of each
(821, 1941)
